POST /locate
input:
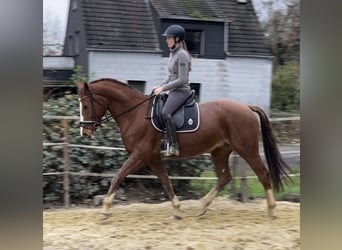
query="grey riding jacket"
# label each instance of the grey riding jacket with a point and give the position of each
(179, 67)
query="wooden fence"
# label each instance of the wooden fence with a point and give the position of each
(238, 165)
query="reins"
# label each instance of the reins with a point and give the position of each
(107, 118)
(135, 106)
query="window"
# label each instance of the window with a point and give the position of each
(77, 43)
(194, 42)
(197, 88)
(70, 46)
(74, 5)
(137, 85)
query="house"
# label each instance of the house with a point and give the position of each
(123, 39)
(57, 71)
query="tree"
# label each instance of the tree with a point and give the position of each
(283, 32)
(285, 88)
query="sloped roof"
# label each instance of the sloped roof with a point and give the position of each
(129, 25)
(188, 9)
(124, 25)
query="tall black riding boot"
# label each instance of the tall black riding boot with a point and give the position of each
(172, 149)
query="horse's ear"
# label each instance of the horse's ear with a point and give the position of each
(82, 85)
(86, 86)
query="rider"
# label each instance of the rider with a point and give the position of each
(177, 82)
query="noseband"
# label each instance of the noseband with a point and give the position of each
(93, 125)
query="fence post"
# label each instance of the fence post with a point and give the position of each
(66, 177)
(243, 181)
(234, 168)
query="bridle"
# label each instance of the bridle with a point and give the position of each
(93, 124)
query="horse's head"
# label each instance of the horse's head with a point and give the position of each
(92, 109)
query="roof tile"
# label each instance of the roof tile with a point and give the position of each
(128, 24)
(124, 24)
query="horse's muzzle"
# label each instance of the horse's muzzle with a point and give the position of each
(88, 133)
(88, 128)
(89, 136)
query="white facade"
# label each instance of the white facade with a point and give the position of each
(243, 79)
(58, 62)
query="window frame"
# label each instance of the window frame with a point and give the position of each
(201, 46)
(139, 85)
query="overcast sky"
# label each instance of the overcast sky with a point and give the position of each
(58, 8)
(55, 13)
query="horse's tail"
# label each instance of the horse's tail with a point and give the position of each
(276, 165)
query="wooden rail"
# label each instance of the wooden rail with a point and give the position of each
(237, 161)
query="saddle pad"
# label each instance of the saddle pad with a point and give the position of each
(190, 116)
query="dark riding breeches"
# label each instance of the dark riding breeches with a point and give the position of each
(176, 98)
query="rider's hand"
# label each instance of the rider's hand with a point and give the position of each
(157, 90)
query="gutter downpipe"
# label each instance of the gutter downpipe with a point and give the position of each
(225, 36)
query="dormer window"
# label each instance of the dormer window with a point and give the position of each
(202, 40)
(195, 42)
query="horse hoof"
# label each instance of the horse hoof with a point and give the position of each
(177, 217)
(270, 214)
(202, 213)
(104, 216)
(272, 206)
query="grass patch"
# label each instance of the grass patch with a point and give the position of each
(254, 187)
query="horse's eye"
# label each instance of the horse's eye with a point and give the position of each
(85, 106)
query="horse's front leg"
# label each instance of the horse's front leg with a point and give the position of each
(133, 163)
(159, 170)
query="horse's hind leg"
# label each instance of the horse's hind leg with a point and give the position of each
(256, 163)
(159, 169)
(220, 157)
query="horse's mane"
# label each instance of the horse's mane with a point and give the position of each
(111, 80)
(115, 81)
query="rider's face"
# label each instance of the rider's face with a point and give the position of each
(170, 40)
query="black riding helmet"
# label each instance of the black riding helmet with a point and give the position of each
(175, 30)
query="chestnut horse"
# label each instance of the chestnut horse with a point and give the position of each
(225, 126)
